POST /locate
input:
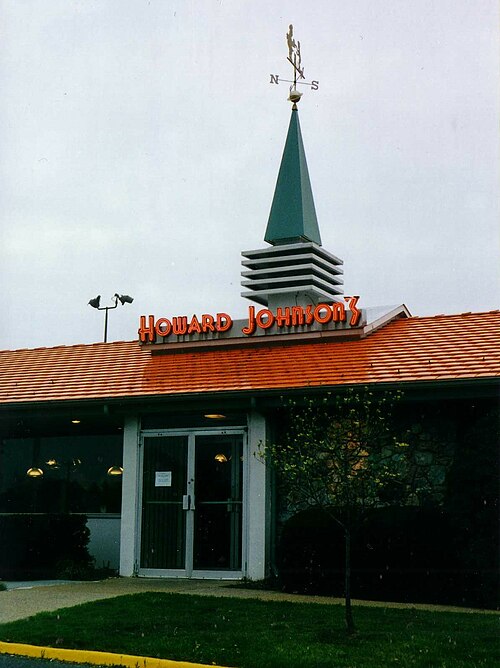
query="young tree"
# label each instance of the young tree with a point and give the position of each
(339, 453)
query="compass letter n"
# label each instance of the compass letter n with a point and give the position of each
(275, 78)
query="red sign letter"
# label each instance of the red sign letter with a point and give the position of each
(297, 316)
(163, 327)
(283, 316)
(338, 312)
(323, 314)
(264, 313)
(224, 322)
(355, 312)
(179, 324)
(250, 328)
(207, 323)
(194, 326)
(147, 331)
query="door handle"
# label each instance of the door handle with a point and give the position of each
(233, 506)
(187, 502)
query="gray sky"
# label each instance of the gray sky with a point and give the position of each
(141, 141)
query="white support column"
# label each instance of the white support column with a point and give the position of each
(130, 493)
(256, 499)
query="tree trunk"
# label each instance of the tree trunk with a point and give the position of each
(349, 621)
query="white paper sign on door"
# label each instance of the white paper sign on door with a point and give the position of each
(163, 478)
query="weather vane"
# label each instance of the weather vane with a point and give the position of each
(295, 59)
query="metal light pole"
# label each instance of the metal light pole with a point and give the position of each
(95, 303)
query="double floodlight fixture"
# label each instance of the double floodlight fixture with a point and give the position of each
(95, 303)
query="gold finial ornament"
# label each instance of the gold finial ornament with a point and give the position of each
(294, 97)
(295, 59)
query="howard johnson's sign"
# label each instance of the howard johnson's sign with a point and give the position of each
(285, 320)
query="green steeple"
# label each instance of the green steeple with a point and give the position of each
(293, 216)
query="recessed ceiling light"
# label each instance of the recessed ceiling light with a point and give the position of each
(76, 421)
(215, 416)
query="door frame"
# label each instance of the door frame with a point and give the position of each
(188, 572)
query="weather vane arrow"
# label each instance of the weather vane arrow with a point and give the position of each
(295, 59)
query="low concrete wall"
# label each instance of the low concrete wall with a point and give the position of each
(104, 543)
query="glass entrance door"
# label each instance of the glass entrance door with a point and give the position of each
(164, 483)
(192, 501)
(218, 514)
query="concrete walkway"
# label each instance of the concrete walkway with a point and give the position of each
(25, 599)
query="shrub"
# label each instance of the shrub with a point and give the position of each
(35, 546)
(400, 554)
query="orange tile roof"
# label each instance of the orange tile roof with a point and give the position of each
(438, 348)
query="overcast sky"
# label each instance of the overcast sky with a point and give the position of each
(141, 141)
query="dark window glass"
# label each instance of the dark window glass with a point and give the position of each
(75, 474)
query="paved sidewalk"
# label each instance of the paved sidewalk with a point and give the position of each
(29, 584)
(31, 598)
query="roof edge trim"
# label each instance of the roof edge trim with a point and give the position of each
(396, 313)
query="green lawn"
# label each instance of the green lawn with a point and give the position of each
(262, 634)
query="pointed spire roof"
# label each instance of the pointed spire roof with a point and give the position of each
(293, 216)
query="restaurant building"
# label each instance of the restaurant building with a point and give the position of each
(156, 440)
